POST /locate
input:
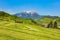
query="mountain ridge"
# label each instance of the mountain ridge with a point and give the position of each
(28, 14)
(32, 15)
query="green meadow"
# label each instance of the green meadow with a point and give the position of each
(26, 30)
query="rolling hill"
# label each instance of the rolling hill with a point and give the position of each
(16, 28)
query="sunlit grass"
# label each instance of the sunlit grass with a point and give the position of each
(22, 31)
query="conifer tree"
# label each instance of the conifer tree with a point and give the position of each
(55, 24)
(50, 25)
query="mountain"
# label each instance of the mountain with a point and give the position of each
(33, 15)
(29, 14)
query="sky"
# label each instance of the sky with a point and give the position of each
(42, 7)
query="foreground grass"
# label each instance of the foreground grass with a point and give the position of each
(21, 31)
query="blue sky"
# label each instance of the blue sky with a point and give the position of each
(43, 7)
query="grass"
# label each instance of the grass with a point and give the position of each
(10, 30)
(23, 31)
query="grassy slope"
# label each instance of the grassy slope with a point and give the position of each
(9, 30)
(47, 20)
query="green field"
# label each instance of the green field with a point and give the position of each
(11, 30)
(16, 31)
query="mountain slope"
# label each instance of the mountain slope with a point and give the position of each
(11, 30)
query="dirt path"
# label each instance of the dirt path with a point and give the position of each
(30, 28)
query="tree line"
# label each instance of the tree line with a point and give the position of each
(51, 24)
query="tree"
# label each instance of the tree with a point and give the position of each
(33, 21)
(55, 24)
(50, 25)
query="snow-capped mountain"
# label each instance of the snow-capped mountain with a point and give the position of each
(29, 14)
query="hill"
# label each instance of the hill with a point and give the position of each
(15, 28)
(46, 20)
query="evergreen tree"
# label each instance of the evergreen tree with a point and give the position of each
(55, 25)
(50, 25)
(33, 21)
